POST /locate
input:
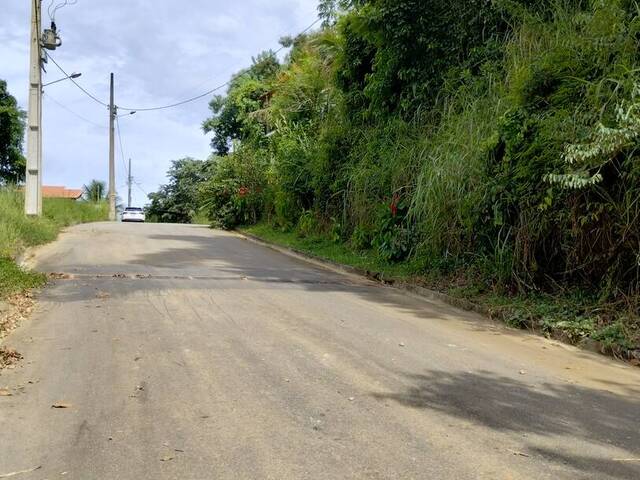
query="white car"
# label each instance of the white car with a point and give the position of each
(133, 214)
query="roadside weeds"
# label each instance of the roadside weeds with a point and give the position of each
(498, 313)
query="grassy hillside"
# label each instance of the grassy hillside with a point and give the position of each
(18, 232)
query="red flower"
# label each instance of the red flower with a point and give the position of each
(394, 205)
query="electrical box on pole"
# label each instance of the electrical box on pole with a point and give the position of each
(50, 40)
(33, 176)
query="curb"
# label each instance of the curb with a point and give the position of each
(376, 277)
(428, 294)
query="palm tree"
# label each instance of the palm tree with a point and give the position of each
(95, 191)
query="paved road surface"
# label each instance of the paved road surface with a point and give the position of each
(186, 353)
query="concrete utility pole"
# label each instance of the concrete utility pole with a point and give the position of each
(129, 181)
(33, 180)
(112, 167)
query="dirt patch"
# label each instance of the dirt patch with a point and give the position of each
(13, 310)
(8, 357)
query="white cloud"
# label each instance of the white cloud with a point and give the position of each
(160, 51)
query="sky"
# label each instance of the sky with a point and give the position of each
(160, 51)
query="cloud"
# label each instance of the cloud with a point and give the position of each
(160, 51)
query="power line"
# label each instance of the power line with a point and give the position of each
(90, 95)
(64, 107)
(209, 92)
(52, 13)
(140, 188)
(172, 105)
(120, 142)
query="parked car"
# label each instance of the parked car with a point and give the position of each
(133, 214)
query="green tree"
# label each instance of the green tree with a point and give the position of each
(397, 53)
(329, 10)
(235, 116)
(95, 191)
(12, 125)
(177, 201)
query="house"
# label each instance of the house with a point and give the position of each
(61, 192)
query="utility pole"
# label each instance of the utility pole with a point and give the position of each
(129, 181)
(33, 180)
(112, 167)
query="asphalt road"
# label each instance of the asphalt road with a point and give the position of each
(185, 353)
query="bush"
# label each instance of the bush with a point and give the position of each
(235, 193)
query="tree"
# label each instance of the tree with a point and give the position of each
(398, 53)
(95, 191)
(177, 201)
(235, 115)
(12, 125)
(329, 10)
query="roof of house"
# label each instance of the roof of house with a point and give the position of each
(61, 192)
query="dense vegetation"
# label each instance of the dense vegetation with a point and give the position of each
(177, 201)
(489, 144)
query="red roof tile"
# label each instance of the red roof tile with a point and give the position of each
(60, 192)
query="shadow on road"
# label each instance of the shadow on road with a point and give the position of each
(578, 416)
(228, 258)
(504, 404)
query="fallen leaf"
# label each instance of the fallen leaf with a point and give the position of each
(9, 357)
(61, 405)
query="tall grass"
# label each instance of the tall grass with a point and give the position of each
(18, 231)
(451, 184)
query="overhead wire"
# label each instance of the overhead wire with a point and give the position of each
(213, 90)
(124, 163)
(122, 157)
(86, 92)
(144, 109)
(64, 107)
(140, 188)
(64, 3)
(175, 104)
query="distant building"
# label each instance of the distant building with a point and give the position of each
(61, 192)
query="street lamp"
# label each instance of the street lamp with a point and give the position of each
(73, 75)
